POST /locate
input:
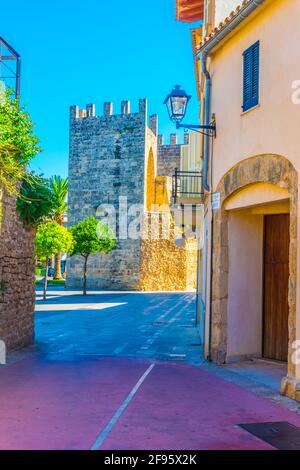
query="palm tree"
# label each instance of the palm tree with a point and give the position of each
(59, 189)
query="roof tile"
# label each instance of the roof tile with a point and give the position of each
(223, 23)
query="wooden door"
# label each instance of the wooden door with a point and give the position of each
(276, 280)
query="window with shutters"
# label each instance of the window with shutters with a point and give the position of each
(251, 77)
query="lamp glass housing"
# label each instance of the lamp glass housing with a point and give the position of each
(176, 103)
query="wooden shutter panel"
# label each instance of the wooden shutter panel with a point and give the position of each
(251, 77)
(255, 74)
(247, 80)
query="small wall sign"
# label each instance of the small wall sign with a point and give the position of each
(216, 201)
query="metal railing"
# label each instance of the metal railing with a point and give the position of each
(186, 184)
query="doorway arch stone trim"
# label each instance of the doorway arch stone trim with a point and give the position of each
(267, 168)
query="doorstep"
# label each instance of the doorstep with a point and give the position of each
(262, 371)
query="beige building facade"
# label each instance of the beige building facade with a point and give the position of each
(250, 291)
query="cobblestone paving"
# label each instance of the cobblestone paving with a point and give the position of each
(157, 326)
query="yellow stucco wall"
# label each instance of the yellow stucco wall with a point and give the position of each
(191, 153)
(273, 127)
(256, 194)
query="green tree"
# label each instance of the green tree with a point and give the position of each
(91, 236)
(35, 201)
(51, 238)
(18, 144)
(59, 189)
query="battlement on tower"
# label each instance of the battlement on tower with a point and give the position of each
(113, 168)
(108, 110)
(108, 161)
(173, 139)
(169, 154)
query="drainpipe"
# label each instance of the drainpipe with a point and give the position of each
(208, 187)
(203, 61)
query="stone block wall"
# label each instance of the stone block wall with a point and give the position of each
(117, 156)
(191, 264)
(168, 157)
(164, 266)
(108, 160)
(163, 192)
(17, 279)
(119, 269)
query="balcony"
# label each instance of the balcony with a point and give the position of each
(187, 187)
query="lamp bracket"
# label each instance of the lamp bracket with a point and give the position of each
(211, 128)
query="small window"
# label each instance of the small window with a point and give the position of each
(251, 77)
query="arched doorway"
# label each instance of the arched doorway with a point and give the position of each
(250, 192)
(258, 274)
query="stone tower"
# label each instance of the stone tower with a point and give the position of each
(113, 158)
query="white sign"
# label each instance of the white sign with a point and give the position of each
(216, 201)
(2, 353)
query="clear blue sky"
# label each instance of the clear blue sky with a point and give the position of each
(91, 51)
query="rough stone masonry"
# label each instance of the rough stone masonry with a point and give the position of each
(114, 158)
(17, 287)
(108, 161)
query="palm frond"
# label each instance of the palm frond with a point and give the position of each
(59, 188)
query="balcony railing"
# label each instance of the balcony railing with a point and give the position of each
(186, 184)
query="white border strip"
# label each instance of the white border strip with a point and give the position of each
(103, 435)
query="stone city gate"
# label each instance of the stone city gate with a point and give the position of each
(113, 158)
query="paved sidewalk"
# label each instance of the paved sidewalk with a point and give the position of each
(52, 402)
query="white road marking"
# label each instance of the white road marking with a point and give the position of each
(161, 330)
(120, 349)
(63, 335)
(103, 435)
(66, 349)
(77, 307)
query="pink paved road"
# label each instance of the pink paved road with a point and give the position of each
(52, 403)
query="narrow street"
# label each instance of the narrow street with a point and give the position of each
(124, 371)
(156, 326)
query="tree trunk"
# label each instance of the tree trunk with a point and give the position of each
(57, 267)
(84, 275)
(46, 281)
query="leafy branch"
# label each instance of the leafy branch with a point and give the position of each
(18, 144)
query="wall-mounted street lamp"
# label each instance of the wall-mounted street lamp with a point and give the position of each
(176, 103)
